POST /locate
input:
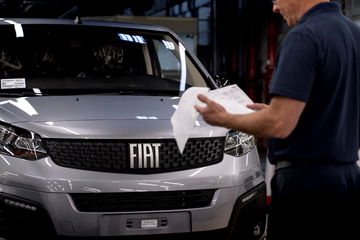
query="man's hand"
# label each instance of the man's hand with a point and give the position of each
(213, 113)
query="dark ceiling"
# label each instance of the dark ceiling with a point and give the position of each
(70, 8)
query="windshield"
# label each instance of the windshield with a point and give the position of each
(76, 59)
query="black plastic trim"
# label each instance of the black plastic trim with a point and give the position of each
(247, 214)
(18, 222)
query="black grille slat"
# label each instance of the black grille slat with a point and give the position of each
(144, 201)
(113, 155)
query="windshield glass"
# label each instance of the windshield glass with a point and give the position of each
(68, 59)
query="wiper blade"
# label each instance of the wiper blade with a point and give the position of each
(140, 92)
(19, 94)
(67, 92)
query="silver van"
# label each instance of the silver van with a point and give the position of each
(86, 143)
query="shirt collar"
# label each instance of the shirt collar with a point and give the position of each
(320, 8)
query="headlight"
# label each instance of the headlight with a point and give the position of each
(238, 143)
(20, 143)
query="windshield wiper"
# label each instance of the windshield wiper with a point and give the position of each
(18, 94)
(135, 92)
(67, 92)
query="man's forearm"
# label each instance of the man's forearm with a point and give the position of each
(260, 124)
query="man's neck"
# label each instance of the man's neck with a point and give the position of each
(307, 4)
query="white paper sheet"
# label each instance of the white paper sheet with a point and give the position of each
(232, 98)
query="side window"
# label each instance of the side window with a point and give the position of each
(169, 63)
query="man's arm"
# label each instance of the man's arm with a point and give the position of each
(277, 120)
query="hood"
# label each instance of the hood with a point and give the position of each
(85, 107)
(98, 116)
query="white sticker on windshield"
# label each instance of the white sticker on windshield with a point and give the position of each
(13, 83)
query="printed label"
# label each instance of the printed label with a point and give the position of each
(149, 223)
(13, 83)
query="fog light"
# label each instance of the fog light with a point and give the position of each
(257, 230)
(20, 205)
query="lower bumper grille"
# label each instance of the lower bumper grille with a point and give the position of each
(142, 201)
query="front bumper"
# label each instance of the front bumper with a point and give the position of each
(55, 214)
(50, 189)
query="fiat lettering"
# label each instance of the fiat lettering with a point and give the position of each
(144, 155)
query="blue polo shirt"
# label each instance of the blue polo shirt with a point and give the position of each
(318, 63)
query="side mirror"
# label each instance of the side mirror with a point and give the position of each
(221, 80)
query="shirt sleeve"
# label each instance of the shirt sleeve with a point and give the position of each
(295, 68)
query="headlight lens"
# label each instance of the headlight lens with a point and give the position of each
(238, 143)
(21, 143)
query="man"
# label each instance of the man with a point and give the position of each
(312, 123)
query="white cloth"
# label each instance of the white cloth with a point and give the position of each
(232, 98)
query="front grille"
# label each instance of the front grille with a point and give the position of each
(142, 201)
(114, 155)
